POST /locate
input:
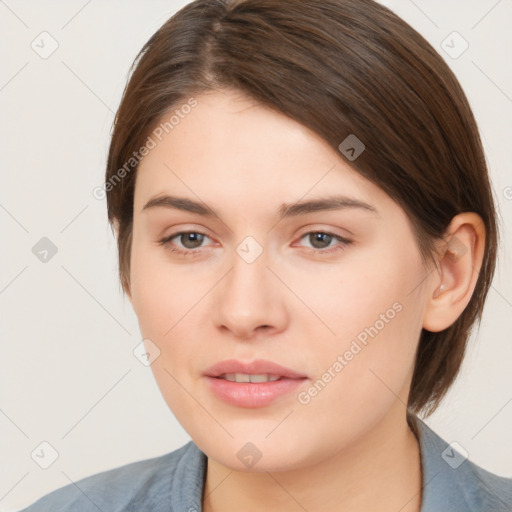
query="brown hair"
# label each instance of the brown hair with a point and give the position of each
(339, 67)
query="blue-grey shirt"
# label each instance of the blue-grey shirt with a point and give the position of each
(174, 483)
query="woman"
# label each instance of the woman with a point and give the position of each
(307, 235)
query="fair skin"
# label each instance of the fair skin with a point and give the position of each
(349, 447)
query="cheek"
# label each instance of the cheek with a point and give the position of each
(158, 295)
(172, 309)
(162, 298)
(376, 316)
(366, 291)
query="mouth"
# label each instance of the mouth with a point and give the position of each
(252, 385)
(239, 371)
(247, 377)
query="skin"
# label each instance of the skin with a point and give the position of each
(349, 448)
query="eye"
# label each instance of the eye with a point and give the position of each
(188, 241)
(321, 240)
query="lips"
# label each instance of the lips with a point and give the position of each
(257, 367)
(252, 385)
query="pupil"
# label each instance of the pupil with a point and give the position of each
(191, 240)
(321, 238)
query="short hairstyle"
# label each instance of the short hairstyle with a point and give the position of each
(338, 67)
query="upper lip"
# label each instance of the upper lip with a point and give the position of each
(257, 367)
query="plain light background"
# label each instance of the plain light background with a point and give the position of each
(68, 375)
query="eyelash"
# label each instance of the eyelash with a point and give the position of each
(193, 252)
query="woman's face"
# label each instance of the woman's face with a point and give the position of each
(262, 279)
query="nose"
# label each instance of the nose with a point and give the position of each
(249, 300)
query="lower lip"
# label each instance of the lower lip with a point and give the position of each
(249, 394)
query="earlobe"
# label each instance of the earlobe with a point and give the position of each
(459, 261)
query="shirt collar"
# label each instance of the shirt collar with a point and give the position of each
(442, 471)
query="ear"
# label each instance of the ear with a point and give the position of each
(459, 262)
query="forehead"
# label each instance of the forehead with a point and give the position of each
(234, 128)
(230, 147)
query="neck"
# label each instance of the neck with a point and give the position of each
(381, 471)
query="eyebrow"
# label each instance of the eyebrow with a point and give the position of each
(337, 202)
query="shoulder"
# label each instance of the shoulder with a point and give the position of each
(452, 482)
(152, 484)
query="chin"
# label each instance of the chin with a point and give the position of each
(255, 452)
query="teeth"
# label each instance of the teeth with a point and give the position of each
(262, 378)
(245, 377)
